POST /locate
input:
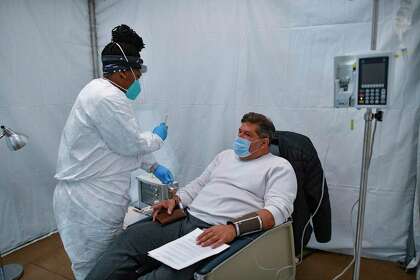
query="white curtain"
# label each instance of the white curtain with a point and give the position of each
(45, 61)
(209, 63)
(212, 61)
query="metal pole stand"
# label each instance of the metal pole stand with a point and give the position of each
(362, 193)
(11, 272)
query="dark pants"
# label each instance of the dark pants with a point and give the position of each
(128, 253)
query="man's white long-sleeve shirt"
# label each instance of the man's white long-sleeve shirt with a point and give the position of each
(230, 188)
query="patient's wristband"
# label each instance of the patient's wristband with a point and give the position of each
(247, 224)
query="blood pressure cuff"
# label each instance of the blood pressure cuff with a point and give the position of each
(247, 224)
(118, 63)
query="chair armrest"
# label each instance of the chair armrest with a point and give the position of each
(274, 248)
(235, 246)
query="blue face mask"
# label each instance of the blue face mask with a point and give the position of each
(133, 90)
(241, 147)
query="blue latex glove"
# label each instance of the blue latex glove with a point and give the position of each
(163, 174)
(161, 130)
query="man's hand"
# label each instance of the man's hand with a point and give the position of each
(216, 236)
(168, 204)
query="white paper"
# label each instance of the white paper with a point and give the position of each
(184, 251)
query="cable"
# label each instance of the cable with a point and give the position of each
(320, 200)
(352, 230)
(278, 270)
(310, 218)
(351, 218)
(344, 270)
(373, 140)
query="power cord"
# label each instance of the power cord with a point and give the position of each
(324, 162)
(278, 270)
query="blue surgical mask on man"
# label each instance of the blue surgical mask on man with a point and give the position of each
(241, 147)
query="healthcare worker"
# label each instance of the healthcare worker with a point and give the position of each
(100, 146)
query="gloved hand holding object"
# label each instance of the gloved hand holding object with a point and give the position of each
(161, 130)
(163, 174)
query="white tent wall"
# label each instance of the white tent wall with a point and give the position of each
(45, 61)
(212, 61)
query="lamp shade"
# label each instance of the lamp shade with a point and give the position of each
(14, 140)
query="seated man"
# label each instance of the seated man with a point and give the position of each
(243, 190)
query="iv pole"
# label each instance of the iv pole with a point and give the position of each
(367, 152)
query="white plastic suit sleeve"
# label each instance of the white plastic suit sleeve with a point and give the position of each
(147, 161)
(114, 118)
(282, 189)
(190, 191)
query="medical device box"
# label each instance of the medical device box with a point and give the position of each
(152, 190)
(363, 80)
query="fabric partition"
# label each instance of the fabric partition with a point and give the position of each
(209, 63)
(212, 61)
(45, 54)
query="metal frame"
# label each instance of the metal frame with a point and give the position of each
(93, 38)
(367, 152)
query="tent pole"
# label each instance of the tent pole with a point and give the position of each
(93, 38)
(367, 153)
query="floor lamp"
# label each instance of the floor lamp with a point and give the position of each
(14, 141)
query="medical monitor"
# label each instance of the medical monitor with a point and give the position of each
(363, 80)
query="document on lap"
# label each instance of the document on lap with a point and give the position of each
(184, 251)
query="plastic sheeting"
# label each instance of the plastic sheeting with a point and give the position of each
(211, 61)
(45, 61)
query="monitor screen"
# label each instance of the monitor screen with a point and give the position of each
(148, 193)
(373, 71)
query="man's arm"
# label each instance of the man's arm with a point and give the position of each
(281, 193)
(190, 191)
(221, 234)
(187, 194)
(267, 219)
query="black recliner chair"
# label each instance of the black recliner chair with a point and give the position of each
(271, 254)
(302, 155)
(240, 260)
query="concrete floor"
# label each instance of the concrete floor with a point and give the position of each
(47, 260)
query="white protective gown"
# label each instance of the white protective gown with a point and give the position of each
(100, 146)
